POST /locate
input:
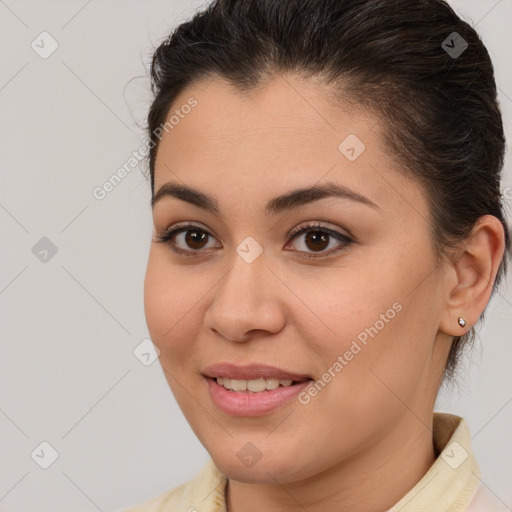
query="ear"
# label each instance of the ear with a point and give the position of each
(474, 269)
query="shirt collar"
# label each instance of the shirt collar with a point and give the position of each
(452, 480)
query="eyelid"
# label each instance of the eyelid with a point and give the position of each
(311, 225)
(166, 236)
(304, 227)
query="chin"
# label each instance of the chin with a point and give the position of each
(260, 473)
(258, 468)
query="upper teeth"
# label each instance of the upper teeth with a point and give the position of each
(253, 385)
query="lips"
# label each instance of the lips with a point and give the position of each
(251, 371)
(250, 390)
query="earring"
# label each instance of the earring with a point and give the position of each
(461, 321)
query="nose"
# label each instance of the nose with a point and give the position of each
(247, 302)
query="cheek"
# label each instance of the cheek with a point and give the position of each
(170, 303)
(170, 306)
(342, 305)
(385, 358)
(375, 316)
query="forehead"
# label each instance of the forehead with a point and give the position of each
(296, 110)
(286, 132)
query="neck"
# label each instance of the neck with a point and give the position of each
(373, 480)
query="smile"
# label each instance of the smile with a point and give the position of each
(253, 385)
(252, 390)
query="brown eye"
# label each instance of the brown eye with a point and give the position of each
(196, 239)
(190, 240)
(186, 239)
(318, 238)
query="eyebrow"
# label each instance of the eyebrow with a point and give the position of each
(282, 203)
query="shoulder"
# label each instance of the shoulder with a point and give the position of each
(205, 489)
(485, 501)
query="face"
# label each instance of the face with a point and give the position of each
(338, 292)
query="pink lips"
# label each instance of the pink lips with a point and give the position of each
(251, 371)
(243, 403)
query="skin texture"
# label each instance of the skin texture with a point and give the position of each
(366, 438)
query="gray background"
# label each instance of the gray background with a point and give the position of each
(69, 326)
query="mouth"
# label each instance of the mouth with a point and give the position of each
(254, 385)
(252, 390)
(249, 372)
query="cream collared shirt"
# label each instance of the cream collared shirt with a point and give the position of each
(452, 484)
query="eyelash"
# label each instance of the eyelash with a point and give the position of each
(166, 238)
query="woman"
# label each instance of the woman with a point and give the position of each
(328, 230)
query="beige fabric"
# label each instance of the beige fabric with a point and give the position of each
(452, 484)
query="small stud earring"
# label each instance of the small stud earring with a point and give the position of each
(461, 321)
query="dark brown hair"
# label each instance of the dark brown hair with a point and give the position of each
(399, 58)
